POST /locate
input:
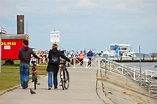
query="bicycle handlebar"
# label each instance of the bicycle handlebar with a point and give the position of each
(62, 63)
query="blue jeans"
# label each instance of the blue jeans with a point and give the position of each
(24, 74)
(55, 81)
(50, 79)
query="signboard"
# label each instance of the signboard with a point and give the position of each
(54, 36)
(20, 24)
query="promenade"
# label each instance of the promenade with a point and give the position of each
(81, 91)
(86, 87)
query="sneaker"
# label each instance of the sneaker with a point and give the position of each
(49, 88)
(55, 88)
(23, 88)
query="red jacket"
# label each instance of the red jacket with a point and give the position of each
(81, 55)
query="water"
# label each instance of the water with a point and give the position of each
(144, 65)
(143, 55)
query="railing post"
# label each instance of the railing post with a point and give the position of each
(152, 74)
(109, 65)
(98, 63)
(126, 76)
(146, 74)
(122, 69)
(86, 61)
(134, 73)
(74, 61)
(140, 62)
(105, 68)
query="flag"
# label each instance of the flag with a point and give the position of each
(2, 30)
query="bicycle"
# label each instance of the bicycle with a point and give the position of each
(34, 75)
(64, 76)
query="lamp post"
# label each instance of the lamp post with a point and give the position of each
(140, 61)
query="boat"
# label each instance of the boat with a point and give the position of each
(153, 54)
(119, 50)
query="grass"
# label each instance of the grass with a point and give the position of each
(10, 77)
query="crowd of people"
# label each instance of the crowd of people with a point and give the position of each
(71, 54)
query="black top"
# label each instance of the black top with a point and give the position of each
(56, 53)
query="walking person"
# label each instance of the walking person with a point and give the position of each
(84, 51)
(81, 57)
(90, 55)
(53, 65)
(25, 56)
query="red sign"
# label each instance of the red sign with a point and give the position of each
(10, 48)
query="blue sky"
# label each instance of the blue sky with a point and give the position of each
(89, 24)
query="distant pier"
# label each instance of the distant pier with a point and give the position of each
(133, 59)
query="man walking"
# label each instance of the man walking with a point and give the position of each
(90, 55)
(25, 56)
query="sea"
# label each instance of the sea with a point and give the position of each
(144, 65)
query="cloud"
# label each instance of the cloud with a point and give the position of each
(87, 4)
(60, 9)
(4, 12)
(26, 8)
(127, 7)
(150, 21)
(63, 6)
(64, 25)
(111, 6)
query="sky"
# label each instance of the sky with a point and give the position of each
(84, 24)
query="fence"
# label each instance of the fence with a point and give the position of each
(145, 79)
(75, 62)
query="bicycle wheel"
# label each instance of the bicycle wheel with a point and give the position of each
(66, 80)
(62, 82)
(34, 80)
(35, 83)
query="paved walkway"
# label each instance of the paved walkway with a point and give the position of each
(81, 91)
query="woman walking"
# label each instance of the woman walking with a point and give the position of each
(53, 65)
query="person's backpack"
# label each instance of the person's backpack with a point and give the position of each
(54, 59)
